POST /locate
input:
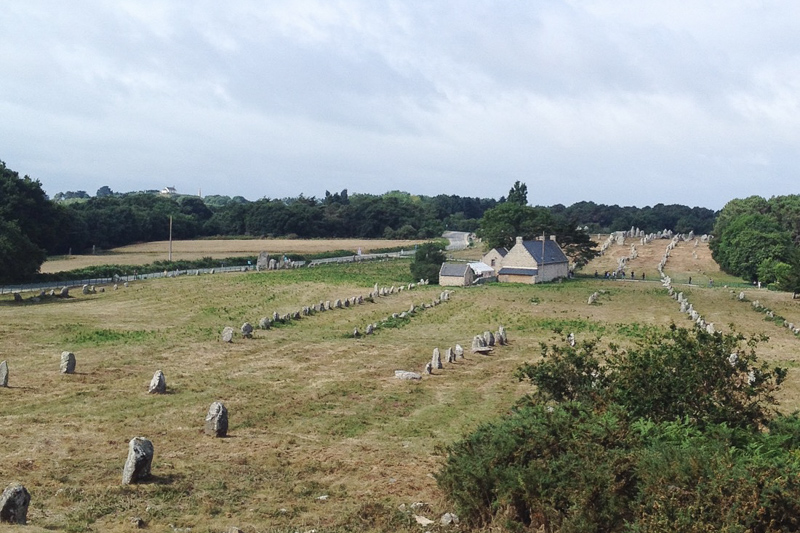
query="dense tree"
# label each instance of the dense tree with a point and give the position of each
(428, 261)
(518, 194)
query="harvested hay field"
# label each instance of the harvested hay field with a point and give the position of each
(322, 436)
(145, 253)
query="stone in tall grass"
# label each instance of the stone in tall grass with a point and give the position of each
(14, 504)
(406, 375)
(265, 323)
(67, 363)
(4, 374)
(158, 385)
(370, 329)
(429, 368)
(140, 458)
(436, 360)
(247, 330)
(217, 420)
(356, 333)
(227, 334)
(501, 331)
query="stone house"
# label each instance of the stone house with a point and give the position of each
(536, 261)
(456, 275)
(494, 257)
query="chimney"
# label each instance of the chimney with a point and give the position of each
(519, 240)
(553, 238)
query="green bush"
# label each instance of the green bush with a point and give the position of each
(674, 434)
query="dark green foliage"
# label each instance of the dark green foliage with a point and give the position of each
(518, 194)
(427, 261)
(758, 239)
(20, 259)
(672, 435)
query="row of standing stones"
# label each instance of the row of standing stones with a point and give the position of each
(16, 498)
(247, 329)
(482, 344)
(63, 292)
(412, 311)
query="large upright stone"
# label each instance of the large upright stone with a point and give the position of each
(158, 385)
(262, 263)
(64, 292)
(227, 334)
(217, 420)
(488, 338)
(459, 351)
(4, 374)
(14, 504)
(140, 458)
(436, 360)
(67, 363)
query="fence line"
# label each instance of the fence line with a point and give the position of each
(57, 285)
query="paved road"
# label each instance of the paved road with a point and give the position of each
(459, 240)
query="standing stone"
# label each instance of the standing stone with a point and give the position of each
(14, 504)
(501, 331)
(406, 375)
(436, 360)
(85, 289)
(459, 351)
(571, 339)
(265, 323)
(64, 292)
(356, 333)
(337, 304)
(4, 374)
(449, 356)
(158, 385)
(369, 329)
(488, 338)
(217, 420)
(227, 334)
(429, 368)
(17, 297)
(247, 330)
(67, 363)
(140, 457)
(262, 263)
(499, 339)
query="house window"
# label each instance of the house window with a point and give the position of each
(492, 262)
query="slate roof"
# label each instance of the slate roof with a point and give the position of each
(518, 271)
(502, 251)
(552, 252)
(458, 270)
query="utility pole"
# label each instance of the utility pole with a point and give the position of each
(170, 238)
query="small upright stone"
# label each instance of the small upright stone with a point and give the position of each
(140, 458)
(429, 368)
(17, 297)
(14, 504)
(356, 333)
(488, 338)
(64, 292)
(265, 323)
(67, 363)
(227, 334)
(86, 289)
(449, 356)
(247, 330)
(158, 385)
(4, 374)
(459, 351)
(370, 329)
(217, 420)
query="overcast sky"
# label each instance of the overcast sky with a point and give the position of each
(614, 101)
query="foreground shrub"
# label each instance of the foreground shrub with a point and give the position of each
(675, 434)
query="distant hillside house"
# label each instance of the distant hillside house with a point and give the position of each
(536, 261)
(169, 191)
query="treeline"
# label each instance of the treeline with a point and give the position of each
(759, 240)
(116, 220)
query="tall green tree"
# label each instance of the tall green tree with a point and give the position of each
(428, 261)
(518, 194)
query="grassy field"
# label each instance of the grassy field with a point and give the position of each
(144, 253)
(322, 436)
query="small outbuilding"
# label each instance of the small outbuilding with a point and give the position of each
(456, 275)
